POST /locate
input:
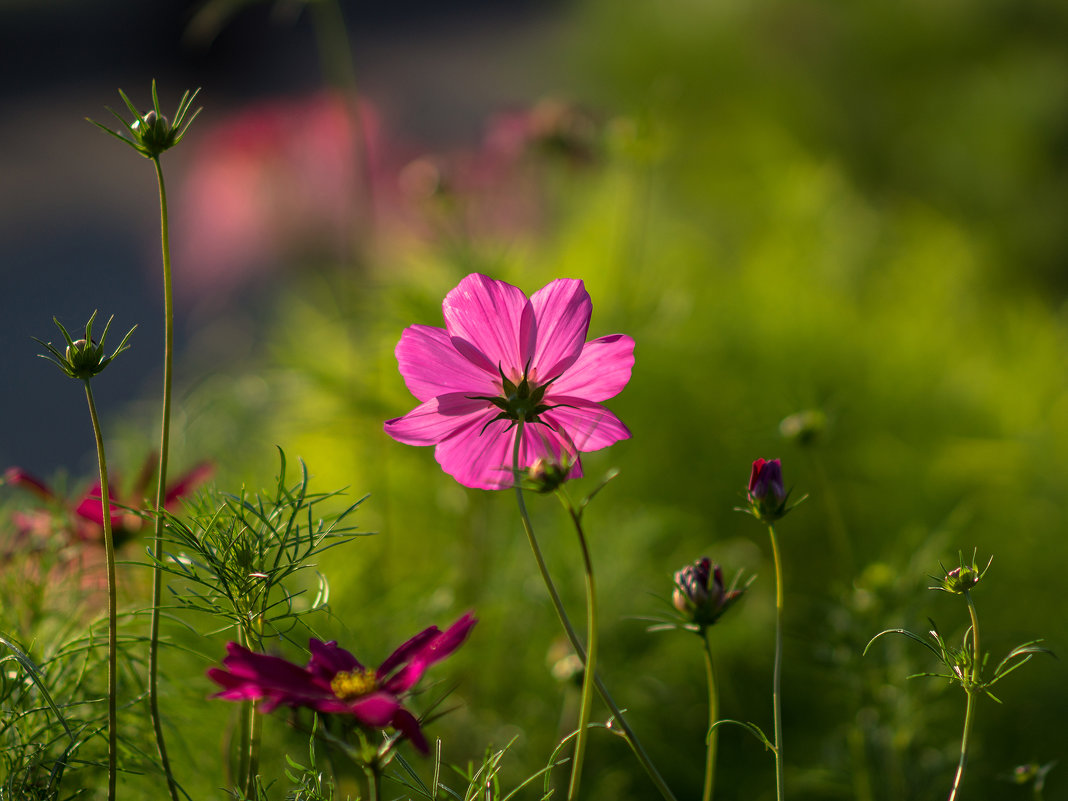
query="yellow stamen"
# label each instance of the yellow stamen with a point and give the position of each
(352, 684)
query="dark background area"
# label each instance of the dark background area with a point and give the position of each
(79, 217)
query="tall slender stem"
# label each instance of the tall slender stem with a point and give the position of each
(776, 690)
(963, 746)
(109, 555)
(713, 714)
(251, 729)
(591, 652)
(971, 690)
(561, 613)
(161, 489)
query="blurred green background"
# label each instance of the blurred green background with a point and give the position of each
(855, 208)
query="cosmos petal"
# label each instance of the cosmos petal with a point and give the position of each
(495, 319)
(562, 309)
(601, 370)
(589, 426)
(431, 365)
(438, 419)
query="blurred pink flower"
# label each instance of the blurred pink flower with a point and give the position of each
(83, 519)
(502, 358)
(335, 682)
(279, 181)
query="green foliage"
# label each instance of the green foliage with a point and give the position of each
(239, 558)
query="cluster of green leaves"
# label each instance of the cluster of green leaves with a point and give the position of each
(241, 559)
(53, 714)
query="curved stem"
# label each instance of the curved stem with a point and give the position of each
(161, 490)
(561, 613)
(591, 652)
(776, 690)
(713, 712)
(109, 555)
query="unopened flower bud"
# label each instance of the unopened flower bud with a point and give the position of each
(766, 495)
(699, 593)
(83, 358)
(545, 475)
(961, 579)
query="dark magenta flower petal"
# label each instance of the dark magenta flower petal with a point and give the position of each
(405, 651)
(433, 650)
(405, 722)
(327, 659)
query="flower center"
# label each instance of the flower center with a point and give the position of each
(347, 685)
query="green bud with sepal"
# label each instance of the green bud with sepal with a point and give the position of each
(962, 579)
(85, 357)
(151, 133)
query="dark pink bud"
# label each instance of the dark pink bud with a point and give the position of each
(766, 476)
(699, 592)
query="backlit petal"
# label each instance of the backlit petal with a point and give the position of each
(589, 426)
(483, 459)
(439, 418)
(562, 310)
(431, 365)
(494, 318)
(601, 370)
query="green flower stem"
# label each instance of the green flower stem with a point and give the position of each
(113, 639)
(161, 490)
(963, 745)
(591, 650)
(374, 781)
(973, 681)
(251, 732)
(561, 613)
(776, 689)
(713, 713)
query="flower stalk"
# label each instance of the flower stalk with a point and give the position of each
(617, 715)
(776, 691)
(591, 647)
(161, 485)
(971, 690)
(713, 714)
(109, 556)
(83, 359)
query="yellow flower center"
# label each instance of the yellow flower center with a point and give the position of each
(352, 684)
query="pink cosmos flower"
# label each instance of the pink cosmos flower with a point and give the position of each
(504, 359)
(83, 519)
(335, 682)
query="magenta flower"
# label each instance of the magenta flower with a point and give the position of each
(335, 682)
(83, 518)
(502, 359)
